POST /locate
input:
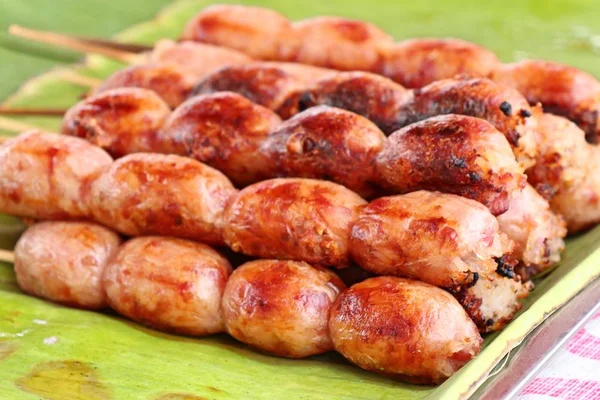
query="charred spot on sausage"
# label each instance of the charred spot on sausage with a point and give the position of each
(506, 108)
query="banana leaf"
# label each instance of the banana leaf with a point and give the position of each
(52, 352)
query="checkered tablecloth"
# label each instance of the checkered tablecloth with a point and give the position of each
(573, 372)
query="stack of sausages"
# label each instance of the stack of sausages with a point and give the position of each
(453, 229)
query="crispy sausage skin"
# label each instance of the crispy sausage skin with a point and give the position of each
(372, 96)
(537, 232)
(404, 329)
(147, 194)
(339, 43)
(281, 307)
(502, 106)
(418, 62)
(562, 90)
(493, 300)
(453, 154)
(225, 131)
(121, 121)
(44, 175)
(169, 81)
(440, 239)
(568, 165)
(259, 32)
(197, 60)
(172, 285)
(295, 219)
(327, 143)
(267, 85)
(64, 262)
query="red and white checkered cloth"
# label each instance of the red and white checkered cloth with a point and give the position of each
(573, 372)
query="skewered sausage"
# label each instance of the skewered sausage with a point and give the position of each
(147, 194)
(327, 143)
(404, 329)
(169, 284)
(441, 239)
(121, 121)
(196, 60)
(64, 262)
(339, 43)
(44, 175)
(561, 89)
(169, 81)
(416, 63)
(536, 231)
(501, 106)
(454, 154)
(226, 131)
(259, 32)
(281, 307)
(294, 219)
(372, 96)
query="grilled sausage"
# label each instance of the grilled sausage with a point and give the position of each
(294, 219)
(121, 121)
(327, 143)
(440, 239)
(503, 107)
(45, 176)
(169, 284)
(281, 307)
(225, 131)
(169, 81)
(453, 154)
(147, 194)
(415, 63)
(372, 96)
(64, 262)
(562, 90)
(404, 329)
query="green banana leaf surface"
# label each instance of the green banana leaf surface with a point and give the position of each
(52, 352)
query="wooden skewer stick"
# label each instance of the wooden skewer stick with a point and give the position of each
(106, 48)
(7, 256)
(32, 111)
(78, 79)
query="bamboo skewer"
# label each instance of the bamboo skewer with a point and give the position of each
(7, 256)
(14, 126)
(85, 45)
(32, 111)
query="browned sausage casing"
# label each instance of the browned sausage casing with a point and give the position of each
(148, 194)
(561, 89)
(121, 121)
(441, 239)
(372, 96)
(169, 81)
(418, 62)
(327, 143)
(64, 262)
(339, 43)
(453, 154)
(225, 131)
(169, 284)
(45, 175)
(502, 106)
(267, 85)
(259, 32)
(536, 231)
(294, 219)
(281, 307)
(404, 329)
(197, 60)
